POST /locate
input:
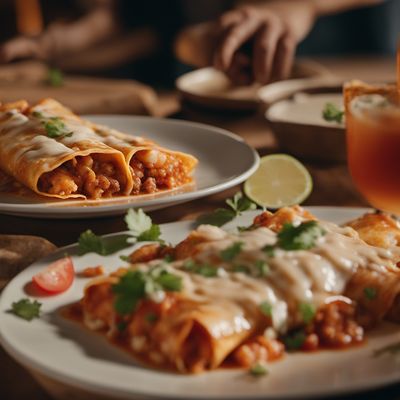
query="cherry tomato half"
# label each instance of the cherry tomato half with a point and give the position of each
(57, 277)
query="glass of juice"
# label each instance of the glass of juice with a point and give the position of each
(373, 142)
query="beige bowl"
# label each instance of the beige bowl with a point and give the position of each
(300, 129)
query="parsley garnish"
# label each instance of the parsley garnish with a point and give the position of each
(55, 77)
(307, 312)
(54, 126)
(269, 250)
(301, 237)
(370, 293)
(26, 309)
(141, 227)
(237, 204)
(241, 268)
(294, 341)
(266, 309)
(136, 285)
(89, 242)
(332, 114)
(258, 370)
(206, 270)
(125, 258)
(232, 251)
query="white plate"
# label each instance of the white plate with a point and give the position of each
(225, 160)
(67, 353)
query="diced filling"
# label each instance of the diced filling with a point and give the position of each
(93, 176)
(153, 170)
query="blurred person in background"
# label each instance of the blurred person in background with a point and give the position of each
(249, 40)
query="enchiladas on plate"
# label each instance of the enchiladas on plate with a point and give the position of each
(287, 282)
(57, 154)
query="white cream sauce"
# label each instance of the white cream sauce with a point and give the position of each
(312, 276)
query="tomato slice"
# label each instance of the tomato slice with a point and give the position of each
(57, 277)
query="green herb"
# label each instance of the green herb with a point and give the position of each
(26, 309)
(245, 228)
(38, 114)
(151, 318)
(294, 341)
(89, 242)
(370, 293)
(241, 268)
(262, 267)
(307, 312)
(266, 309)
(55, 77)
(141, 227)
(221, 216)
(301, 237)
(206, 270)
(122, 325)
(392, 349)
(169, 258)
(125, 258)
(55, 128)
(258, 370)
(232, 251)
(136, 285)
(332, 114)
(269, 250)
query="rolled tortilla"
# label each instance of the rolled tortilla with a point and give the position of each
(74, 163)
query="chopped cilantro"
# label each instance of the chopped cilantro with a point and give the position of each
(141, 227)
(258, 370)
(262, 267)
(221, 216)
(269, 250)
(266, 309)
(54, 126)
(55, 77)
(370, 293)
(206, 270)
(89, 242)
(332, 114)
(301, 237)
(151, 318)
(295, 340)
(122, 325)
(169, 258)
(307, 312)
(241, 268)
(136, 285)
(125, 258)
(26, 309)
(232, 251)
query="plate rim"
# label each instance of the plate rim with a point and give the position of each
(121, 393)
(39, 210)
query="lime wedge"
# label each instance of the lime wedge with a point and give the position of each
(279, 181)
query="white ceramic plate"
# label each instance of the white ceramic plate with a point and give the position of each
(67, 353)
(225, 160)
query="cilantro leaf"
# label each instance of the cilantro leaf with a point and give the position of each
(206, 270)
(262, 267)
(240, 203)
(54, 126)
(241, 268)
(136, 285)
(370, 293)
(301, 237)
(258, 370)
(307, 312)
(152, 234)
(55, 77)
(232, 251)
(266, 309)
(331, 113)
(26, 309)
(218, 217)
(89, 242)
(269, 250)
(141, 227)
(294, 340)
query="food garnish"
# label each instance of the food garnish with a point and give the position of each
(55, 77)
(370, 293)
(237, 204)
(89, 242)
(301, 237)
(206, 270)
(141, 227)
(54, 126)
(279, 181)
(26, 309)
(258, 370)
(307, 312)
(232, 251)
(331, 113)
(266, 308)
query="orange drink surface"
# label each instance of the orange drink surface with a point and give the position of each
(373, 146)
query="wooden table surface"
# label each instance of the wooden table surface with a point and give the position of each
(332, 186)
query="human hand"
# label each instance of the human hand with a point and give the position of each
(258, 43)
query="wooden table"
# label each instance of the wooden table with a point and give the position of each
(332, 186)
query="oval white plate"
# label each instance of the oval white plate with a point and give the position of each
(64, 351)
(225, 160)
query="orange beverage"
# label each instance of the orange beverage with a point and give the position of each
(373, 143)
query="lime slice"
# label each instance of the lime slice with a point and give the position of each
(279, 181)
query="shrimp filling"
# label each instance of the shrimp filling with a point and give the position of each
(153, 170)
(93, 176)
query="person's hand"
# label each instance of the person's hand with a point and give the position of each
(22, 47)
(258, 43)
